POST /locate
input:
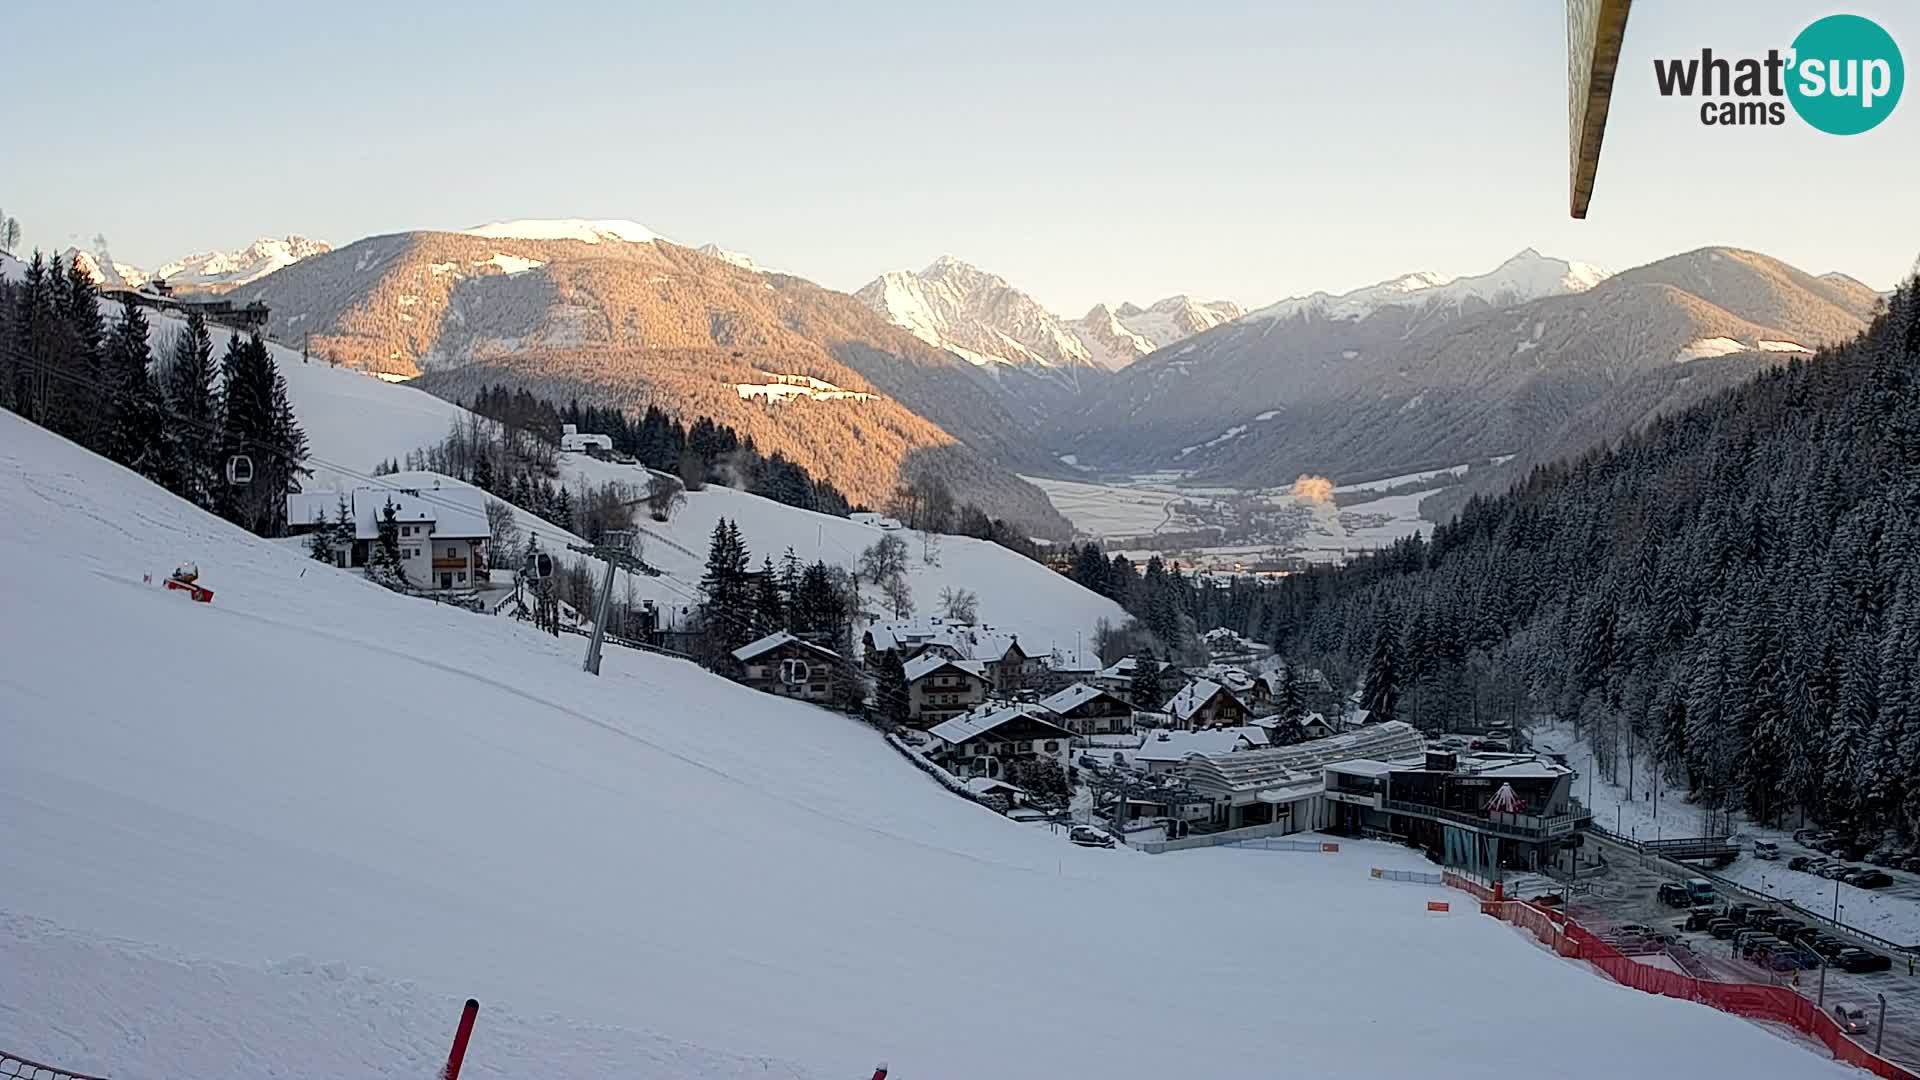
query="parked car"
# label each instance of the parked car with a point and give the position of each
(1881, 858)
(1870, 879)
(1701, 917)
(1722, 928)
(1789, 928)
(1801, 836)
(1799, 862)
(1835, 870)
(1739, 913)
(1852, 1018)
(1911, 864)
(1766, 849)
(1088, 836)
(1674, 894)
(1860, 960)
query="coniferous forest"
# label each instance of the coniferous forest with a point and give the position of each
(221, 434)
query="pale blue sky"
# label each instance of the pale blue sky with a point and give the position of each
(1100, 151)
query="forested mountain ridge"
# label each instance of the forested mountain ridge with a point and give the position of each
(1730, 596)
(631, 323)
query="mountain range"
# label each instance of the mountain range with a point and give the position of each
(956, 369)
(210, 271)
(1425, 372)
(611, 313)
(980, 316)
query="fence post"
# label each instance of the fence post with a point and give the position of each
(460, 1037)
(1880, 1028)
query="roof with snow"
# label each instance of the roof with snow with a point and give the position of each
(983, 721)
(1065, 701)
(775, 640)
(1123, 668)
(927, 663)
(1180, 745)
(1194, 696)
(1290, 766)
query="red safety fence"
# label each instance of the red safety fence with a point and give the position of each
(1755, 1001)
(12, 1065)
(1466, 884)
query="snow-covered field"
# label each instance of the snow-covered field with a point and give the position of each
(1894, 915)
(287, 832)
(1144, 505)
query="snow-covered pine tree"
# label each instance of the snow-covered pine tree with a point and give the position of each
(1145, 688)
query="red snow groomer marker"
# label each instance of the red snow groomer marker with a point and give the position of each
(185, 578)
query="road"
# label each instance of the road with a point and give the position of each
(1626, 891)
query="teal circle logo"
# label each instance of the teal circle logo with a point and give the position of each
(1847, 74)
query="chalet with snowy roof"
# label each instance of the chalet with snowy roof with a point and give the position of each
(1163, 750)
(939, 689)
(442, 532)
(985, 741)
(1117, 677)
(1007, 665)
(789, 667)
(1089, 710)
(1061, 668)
(1204, 703)
(1009, 668)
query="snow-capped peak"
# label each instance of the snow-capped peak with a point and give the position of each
(256, 260)
(1526, 276)
(581, 229)
(739, 259)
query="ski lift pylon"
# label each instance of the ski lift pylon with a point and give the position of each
(239, 469)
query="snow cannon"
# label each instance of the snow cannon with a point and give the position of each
(186, 578)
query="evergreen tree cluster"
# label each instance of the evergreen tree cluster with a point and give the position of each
(175, 419)
(742, 604)
(701, 453)
(1728, 599)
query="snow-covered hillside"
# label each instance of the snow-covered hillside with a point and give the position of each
(356, 421)
(260, 836)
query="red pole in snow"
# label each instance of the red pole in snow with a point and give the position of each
(460, 1037)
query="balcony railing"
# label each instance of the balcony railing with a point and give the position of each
(1522, 826)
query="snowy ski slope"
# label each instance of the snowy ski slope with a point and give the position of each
(285, 834)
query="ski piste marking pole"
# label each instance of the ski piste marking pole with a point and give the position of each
(460, 1037)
